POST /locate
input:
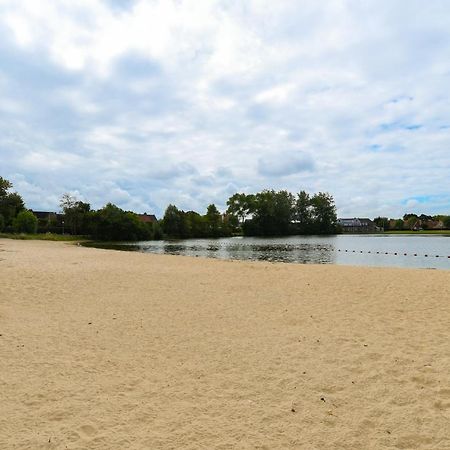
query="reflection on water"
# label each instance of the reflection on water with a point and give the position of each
(361, 250)
(223, 249)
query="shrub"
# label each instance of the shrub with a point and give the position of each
(446, 222)
(157, 231)
(25, 222)
(113, 224)
(2, 223)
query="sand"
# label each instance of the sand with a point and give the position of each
(115, 350)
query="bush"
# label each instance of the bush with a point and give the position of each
(2, 223)
(157, 231)
(399, 224)
(113, 224)
(25, 222)
(446, 222)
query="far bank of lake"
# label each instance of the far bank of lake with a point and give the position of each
(381, 250)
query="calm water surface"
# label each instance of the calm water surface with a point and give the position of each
(418, 251)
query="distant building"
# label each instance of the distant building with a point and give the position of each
(49, 221)
(433, 225)
(429, 224)
(358, 225)
(45, 215)
(147, 218)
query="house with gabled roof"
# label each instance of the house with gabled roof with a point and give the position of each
(147, 218)
(358, 225)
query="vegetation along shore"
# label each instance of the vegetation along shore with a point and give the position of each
(266, 213)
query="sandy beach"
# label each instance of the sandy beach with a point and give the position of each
(112, 350)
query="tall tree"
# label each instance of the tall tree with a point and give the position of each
(25, 222)
(240, 206)
(446, 222)
(175, 223)
(11, 203)
(5, 186)
(324, 213)
(213, 221)
(111, 223)
(75, 213)
(302, 212)
(412, 222)
(382, 222)
(196, 224)
(272, 214)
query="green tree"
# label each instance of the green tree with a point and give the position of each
(5, 186)
(213, 221)
(284, 211)
(11, 203)
(114, 224)
(280, 213)
(411, 222)
(228, 225)
(240, 206)
(272, 214)
(25, 222)
(178, 224)
(323, 213)
(382, 222)
(446, 222)
(157, 232)
(195, 224)
(75, 213)
(175, 224)
(2, 223)
(303, 212)
(399, 224)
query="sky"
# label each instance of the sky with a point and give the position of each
(150, 102)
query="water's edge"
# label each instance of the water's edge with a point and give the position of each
(421, 251)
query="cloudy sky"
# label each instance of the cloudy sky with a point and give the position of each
(151, 102)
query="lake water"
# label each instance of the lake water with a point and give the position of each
(383, 250)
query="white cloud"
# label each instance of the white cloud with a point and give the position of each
(144, 104)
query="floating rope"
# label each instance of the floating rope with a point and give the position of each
(394, 253)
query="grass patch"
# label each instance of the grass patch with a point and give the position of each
(44, 237)
(438, 232)
(112, 246)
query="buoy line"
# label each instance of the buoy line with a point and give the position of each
(392, 253)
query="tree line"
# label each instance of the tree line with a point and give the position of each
(270, 213)
(412, 221)
(13, 215)
(109, 223)
(266, 213)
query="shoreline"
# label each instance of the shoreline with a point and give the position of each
(405, 259)
(102, 349)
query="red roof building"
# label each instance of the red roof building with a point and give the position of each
(147, 218)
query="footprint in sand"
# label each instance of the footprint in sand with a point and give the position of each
(413, 441)
(441, 406)
(73, 437)
(332, 389)
(423, 380)
(88, 431)
(444, 393)
(441, 403)
(58, 416)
